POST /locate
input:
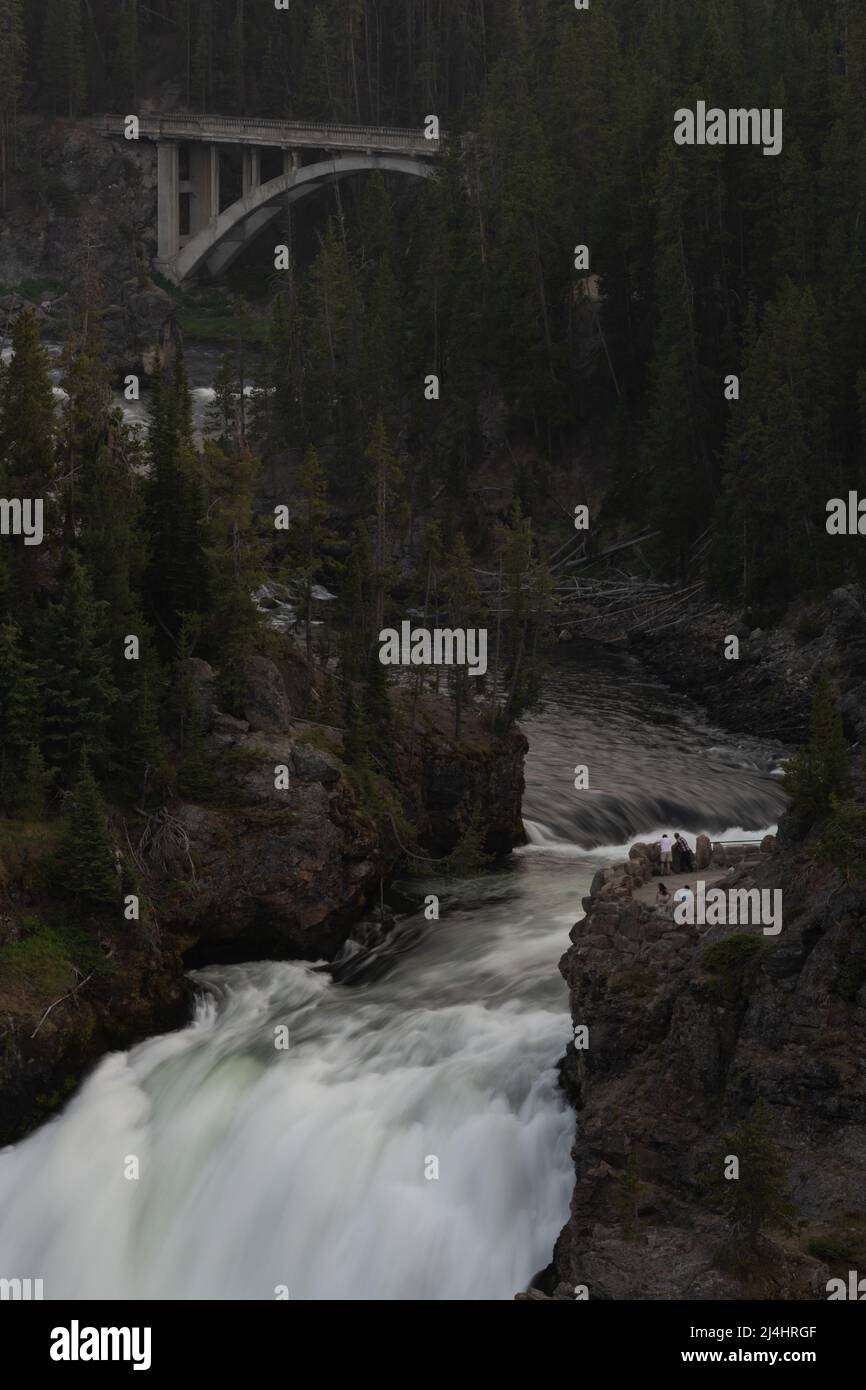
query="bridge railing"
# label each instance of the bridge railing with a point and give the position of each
(312, 133)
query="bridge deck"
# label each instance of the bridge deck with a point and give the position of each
(242, 130)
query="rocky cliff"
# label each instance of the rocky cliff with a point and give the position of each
(689, 1027)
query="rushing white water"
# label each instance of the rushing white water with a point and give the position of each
(308, 1168)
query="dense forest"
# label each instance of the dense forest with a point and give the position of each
(714, 261)
(702, 263)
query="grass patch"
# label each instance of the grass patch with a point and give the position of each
(44, 965)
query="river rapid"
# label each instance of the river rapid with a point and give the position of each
(410, 1142)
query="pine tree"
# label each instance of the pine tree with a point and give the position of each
(315, 96)
(757, 1199)
(126, 55)
(85, 862)
(33, 786)
(311, 515)
(198, 777)
(385, 478)
(464, 612)
(355, 733)
(357, 605)
(77, 683)
(234, 556)
(138, 746)
(12, 64)
(63, 71)
(19, 720)
(820, 772)
(377, 713)
(174, 515)
(27, 451)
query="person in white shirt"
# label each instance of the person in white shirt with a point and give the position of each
(666, 847)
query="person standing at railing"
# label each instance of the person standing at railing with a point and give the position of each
(686, 858)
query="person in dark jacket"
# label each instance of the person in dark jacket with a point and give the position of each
(686, 858)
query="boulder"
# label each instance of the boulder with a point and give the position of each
(703, 852)
(266, 704)
(768, 844)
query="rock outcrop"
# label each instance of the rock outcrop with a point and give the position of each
(683, 1039)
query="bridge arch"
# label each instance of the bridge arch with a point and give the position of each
(219, 243)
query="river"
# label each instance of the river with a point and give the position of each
(310, 1170)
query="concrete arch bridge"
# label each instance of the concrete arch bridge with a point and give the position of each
(280, 163)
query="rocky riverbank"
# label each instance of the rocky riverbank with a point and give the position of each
(687, 1028)
(767, 690)
(248, 873)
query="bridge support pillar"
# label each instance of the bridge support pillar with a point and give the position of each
(252, 157)
(168, 200)
(291, 161)
(204, 180)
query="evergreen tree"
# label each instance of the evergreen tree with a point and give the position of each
(385, 479)
(198, 777)
(820, 772)
(757, 1200)
(464, 612)
(77, 684)
(175, 582)
(315, 94)
(34, 785)
(355, 733)
(357, 606)
(377, 713)
(234, 558)
(311, 515)
(12, 58)
(63, 70)
(27, 454)
(85, 864)
(19, 721)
